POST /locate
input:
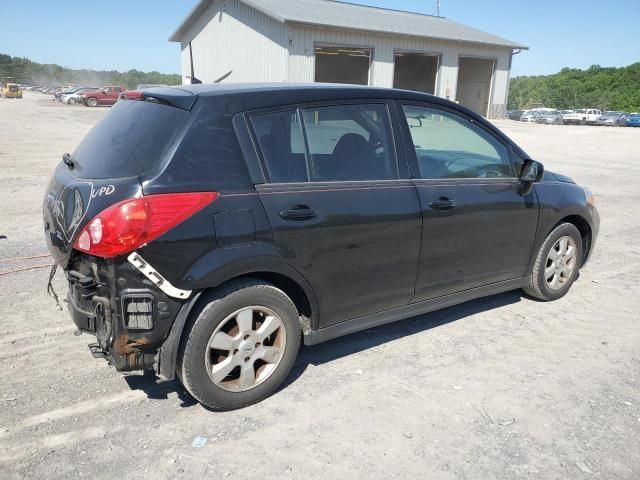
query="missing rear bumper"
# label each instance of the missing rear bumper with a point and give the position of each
(162, 283)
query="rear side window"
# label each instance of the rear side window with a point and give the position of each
(350, 142)
(130, 141)
(343, 143)
(282, 144)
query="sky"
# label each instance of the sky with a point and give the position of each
(123, 35)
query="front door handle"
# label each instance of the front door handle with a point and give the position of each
(298, 212)
(443, 203)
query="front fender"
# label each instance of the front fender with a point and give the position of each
(559, 200)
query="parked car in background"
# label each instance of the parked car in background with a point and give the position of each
(76, 96)
(549, 118)
(187, 225)
(582, 116)
(58, 94)
(529, 115)
(612, 119)
(514, 114)
(104, 96)
(632, 120)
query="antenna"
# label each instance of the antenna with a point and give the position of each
(438, 7)
(194, 80)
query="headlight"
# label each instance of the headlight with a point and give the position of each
(591, 199)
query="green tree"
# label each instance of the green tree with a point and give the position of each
(598, 87)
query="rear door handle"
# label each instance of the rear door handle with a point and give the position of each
(298, 212)
(443, 203)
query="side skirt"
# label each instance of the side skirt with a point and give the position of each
(373, 320)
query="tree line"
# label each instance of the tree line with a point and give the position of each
(597, 87)
(27, 72)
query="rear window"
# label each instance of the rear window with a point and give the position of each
(130, 141)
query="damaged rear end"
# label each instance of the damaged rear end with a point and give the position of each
(96, 216)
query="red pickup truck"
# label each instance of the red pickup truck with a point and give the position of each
(104, 96)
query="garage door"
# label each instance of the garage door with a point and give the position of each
(474, 83)
(343, 65)
(415, 71)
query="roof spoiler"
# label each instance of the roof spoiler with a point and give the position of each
(174, 97)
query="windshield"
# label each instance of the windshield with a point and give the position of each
(130, 141)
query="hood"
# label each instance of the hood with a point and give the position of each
(550, 176)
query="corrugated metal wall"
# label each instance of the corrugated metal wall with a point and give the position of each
(302, 41)
(232, 36)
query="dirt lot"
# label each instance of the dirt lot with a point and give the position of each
(503, 387)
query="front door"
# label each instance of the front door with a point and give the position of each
(343, 213)
(477, 228)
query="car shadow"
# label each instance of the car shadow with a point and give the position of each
(158, 389)
(357, 342)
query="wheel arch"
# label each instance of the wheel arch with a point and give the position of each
(586, 233)
(302, 298)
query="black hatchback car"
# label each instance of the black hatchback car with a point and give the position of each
(205, 231)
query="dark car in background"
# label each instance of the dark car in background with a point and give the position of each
(514, 114)
(205, 231)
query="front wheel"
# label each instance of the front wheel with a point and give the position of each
(239, 345)
(92, 102)
(557, 264)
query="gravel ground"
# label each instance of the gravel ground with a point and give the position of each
(503, 387)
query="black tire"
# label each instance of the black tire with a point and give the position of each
(583, 121)
(71, 101)
(212, 310)
(92, 102)
(538, 287)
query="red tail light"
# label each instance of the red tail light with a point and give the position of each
(127, 225)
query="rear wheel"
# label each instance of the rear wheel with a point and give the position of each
(71, 101)
(583, 121)
(557, 263)
(92, 102)
(239, 345)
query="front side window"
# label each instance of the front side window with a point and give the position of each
(449, 146)
(327, 144)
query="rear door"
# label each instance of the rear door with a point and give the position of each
(477, 228)
(343, 212)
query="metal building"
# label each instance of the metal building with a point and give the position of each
(330, 41)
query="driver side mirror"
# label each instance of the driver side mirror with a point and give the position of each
(531, 172)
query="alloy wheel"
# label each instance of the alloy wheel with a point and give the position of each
(245, 349)
(561, 262)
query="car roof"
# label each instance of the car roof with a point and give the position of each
(248, 96)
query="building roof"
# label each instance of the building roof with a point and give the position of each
(331, 13)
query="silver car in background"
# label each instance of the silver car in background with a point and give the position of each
(551, 117)
(612, 119)
(529, 115)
